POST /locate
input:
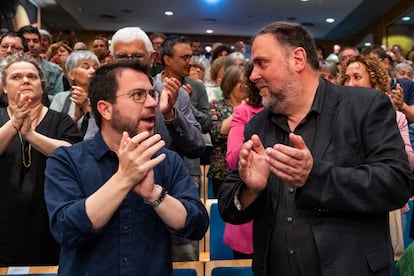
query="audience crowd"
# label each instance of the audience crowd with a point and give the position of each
(192, 107)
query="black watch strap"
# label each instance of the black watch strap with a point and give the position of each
(160, 199)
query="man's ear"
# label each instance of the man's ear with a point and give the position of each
(153, 55)
(166, 59)
(299, 56)
(105, 109)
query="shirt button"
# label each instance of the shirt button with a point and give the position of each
(261, 264)
(292, 252)
(125, 227)
(291, 190)
(289, 219)
(124, 259)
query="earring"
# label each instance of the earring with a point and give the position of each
(5, 91)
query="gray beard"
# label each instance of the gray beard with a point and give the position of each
(281, 99)
(277, 102)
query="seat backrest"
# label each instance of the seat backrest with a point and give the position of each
(218, 250)
(406, 232)
(229, 268)
(188, 268)
(29, 270)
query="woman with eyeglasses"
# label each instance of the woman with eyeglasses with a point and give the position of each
(29, 132)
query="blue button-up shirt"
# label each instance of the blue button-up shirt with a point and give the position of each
(135, 241)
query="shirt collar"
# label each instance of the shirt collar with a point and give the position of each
(319, 98)
(316, 107)
(99, 147)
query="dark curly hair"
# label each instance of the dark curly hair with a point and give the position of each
(378, 74)
(253, 93)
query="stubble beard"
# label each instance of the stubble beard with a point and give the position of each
(282, 97)
(121, 123)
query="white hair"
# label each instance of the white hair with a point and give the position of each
(130, 34)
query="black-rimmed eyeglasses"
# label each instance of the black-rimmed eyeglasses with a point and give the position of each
(5, 47)
(140, 95)
(131, 56)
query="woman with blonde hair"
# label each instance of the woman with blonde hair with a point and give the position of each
(58, 53)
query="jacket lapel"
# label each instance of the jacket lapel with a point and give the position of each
(327, 120)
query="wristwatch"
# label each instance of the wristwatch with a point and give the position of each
(160, 199)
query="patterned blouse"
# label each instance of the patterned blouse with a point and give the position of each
(219, 111)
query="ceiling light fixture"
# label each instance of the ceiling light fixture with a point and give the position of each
(209, 31)
(406, 18)
(168, 13)
(330, 20)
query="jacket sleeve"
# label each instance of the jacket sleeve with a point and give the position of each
(201, 106)
(185, 130)
(226, 201)
(364, 169)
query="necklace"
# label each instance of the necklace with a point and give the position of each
(28, 163)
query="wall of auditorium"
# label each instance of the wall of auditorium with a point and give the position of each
(401, 34)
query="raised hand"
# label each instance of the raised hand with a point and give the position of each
(187, 87)
(20, 110)
(397, 97)
(80, 98)
(253, 167)
(168, 97)
(291, 164)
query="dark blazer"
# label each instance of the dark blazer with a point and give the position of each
(360, 173)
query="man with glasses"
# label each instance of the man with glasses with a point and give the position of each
(175, 121)
(157, 39)
(53, 73)
(114, 200)
(176, 54)
(10, 43)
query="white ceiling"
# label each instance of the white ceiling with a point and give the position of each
(225, 17)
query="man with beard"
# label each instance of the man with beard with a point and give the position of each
(321, 167)
(114, 200)
(53, 73)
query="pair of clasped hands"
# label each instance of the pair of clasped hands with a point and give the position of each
(20, 118)
(292, 164)
(136, 161)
